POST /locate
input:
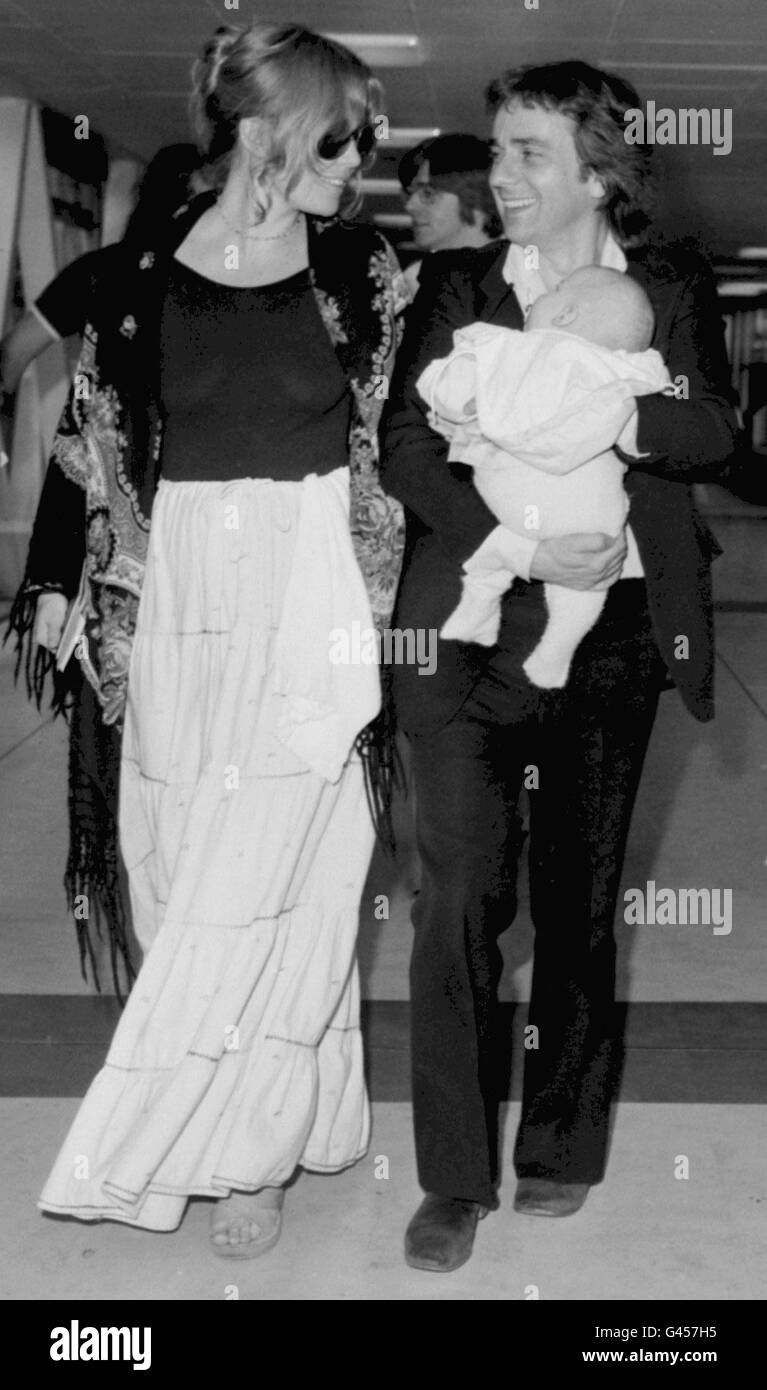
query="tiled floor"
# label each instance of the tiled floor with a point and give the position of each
(695, 1080)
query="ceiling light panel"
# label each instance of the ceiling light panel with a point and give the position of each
(385, 50)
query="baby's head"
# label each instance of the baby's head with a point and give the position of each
(598, 304)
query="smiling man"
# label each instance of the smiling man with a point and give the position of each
(572, 192)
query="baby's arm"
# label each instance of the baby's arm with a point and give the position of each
(571, 401)
(448, 386)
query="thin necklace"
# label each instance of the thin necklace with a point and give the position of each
(253, 236)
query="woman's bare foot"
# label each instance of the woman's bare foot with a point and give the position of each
(247, 1224)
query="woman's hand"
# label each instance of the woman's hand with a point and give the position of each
(587, 561)
(49, 620)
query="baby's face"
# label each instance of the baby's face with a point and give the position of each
(601, 306)
(546, 309)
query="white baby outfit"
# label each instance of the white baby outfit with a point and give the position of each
(536, 414)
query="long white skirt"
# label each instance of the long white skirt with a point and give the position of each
(238, 1055)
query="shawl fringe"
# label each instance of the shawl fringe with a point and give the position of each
(382, 766)
(92, 874)
(36, 662)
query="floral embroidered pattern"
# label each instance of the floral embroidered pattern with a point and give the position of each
(117, 610)
(101, 541)
(376, 519)
(330, 313)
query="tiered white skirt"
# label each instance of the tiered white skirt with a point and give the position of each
(238, 1055)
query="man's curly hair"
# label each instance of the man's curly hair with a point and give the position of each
(596, 103)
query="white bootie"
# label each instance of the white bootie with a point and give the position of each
(478, 615)
(547, 667)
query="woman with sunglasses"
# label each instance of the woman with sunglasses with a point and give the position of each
(217, 461)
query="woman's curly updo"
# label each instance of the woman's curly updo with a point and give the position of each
(300, 84)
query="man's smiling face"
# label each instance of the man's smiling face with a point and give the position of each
(536, 178)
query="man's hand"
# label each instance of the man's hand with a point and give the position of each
(588, 561)
(49, 620)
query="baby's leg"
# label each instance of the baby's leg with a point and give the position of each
(572, 613)
(478, 615)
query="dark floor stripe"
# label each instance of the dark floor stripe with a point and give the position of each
(712, 1053)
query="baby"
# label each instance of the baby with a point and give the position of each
(536, 414)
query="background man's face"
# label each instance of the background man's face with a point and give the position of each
(536, 178)
(436, 214)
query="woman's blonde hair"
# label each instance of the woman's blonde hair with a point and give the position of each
(302, 86)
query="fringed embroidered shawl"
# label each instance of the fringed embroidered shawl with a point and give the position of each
(97, 503)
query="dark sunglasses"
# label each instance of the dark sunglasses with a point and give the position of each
(333, 143)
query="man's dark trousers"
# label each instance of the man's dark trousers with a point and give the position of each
(588, 746)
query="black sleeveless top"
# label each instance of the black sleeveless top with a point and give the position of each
(250, 384)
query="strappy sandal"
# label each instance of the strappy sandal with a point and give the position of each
(262, 1210)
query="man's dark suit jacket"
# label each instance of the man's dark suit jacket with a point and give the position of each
(686, 440)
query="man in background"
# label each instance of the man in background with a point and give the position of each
(445, 183)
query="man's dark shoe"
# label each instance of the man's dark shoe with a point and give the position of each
(547, 1197)
(440, 1236)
